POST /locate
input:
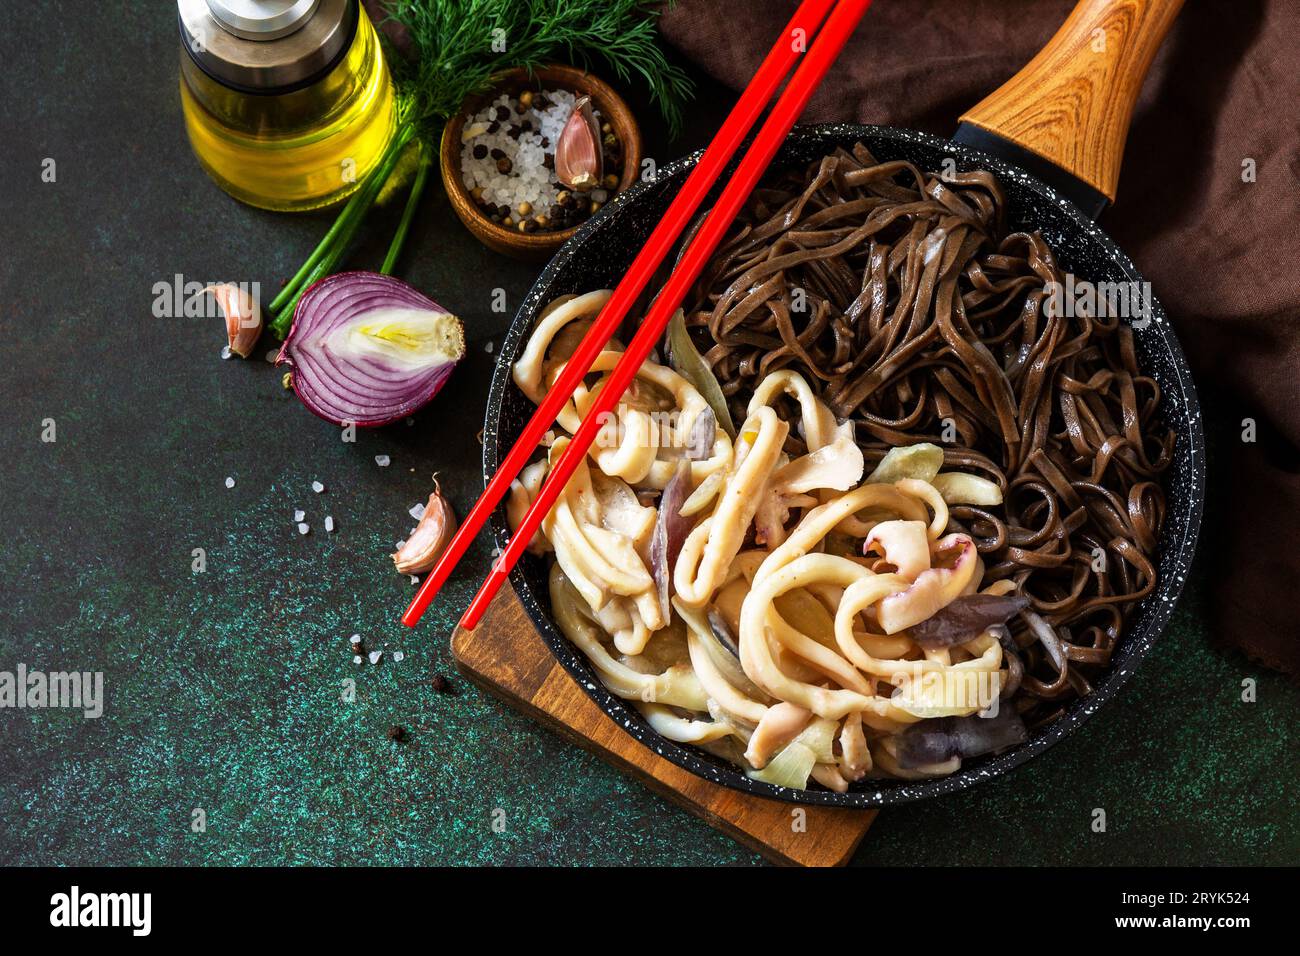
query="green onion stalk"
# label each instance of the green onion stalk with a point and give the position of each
(453, 49)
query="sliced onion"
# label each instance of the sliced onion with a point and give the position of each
(704, 432)
(935, 741)
(670, 531)
(367, 349)
(1050, 640)
(723, 633)
(965, 618)
(959, 488)
(922, 461)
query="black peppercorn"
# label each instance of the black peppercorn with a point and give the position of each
(441, 684)
(480, 151)
(503, 113)
(398, 734)
(504, 166)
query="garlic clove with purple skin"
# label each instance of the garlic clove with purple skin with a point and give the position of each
(421, 550)
(243, 316)
(579, 161)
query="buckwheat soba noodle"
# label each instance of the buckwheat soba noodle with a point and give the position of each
(922, 534)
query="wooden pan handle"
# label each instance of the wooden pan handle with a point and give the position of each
(1072, 103)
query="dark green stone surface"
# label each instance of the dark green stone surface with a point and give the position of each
(223, 688)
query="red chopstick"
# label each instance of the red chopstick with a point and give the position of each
(702, 178)
(817, 61)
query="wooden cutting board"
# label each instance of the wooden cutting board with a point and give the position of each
(507, 657)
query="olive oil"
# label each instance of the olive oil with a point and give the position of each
(294, 122)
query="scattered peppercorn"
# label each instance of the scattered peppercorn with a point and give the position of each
(398, 734)
(504, 166)
(480, 151)
(441, 684)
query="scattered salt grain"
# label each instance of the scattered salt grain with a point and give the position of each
(317, 487)
(225, 352)
(299, 515)
(383, 461)
(230, 482)
(416, 511)
(488, 348)
(303, 527)
(272, 354)
(329, 522)
(414, 579)
(399, 545)
(375, 656)
(358, 659)
(398, 657)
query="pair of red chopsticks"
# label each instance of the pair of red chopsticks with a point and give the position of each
(792, 44)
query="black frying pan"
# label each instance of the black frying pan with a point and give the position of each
(1063, 105)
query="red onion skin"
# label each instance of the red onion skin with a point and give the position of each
(670, 531)
(389, 291)
(964, 618)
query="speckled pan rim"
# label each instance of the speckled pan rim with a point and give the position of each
(1189, 454)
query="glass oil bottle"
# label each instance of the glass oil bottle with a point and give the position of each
(288, 103)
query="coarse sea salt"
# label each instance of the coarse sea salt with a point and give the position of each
(299, 515)
(528, 181)
(303, 527)
(329, 522)
(317, 487)
(416, 511)
(230, 482)
(383, 461)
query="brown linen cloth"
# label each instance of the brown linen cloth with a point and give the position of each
(1222, 254)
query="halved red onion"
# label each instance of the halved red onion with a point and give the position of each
(965, 618)
(942, 738)
(367, 349)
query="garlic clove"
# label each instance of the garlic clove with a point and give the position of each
(421, 550)
(243, 316)
(578, 156)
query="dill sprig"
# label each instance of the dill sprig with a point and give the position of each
(457, 46)
(455, 49)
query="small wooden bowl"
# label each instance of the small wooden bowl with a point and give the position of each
(534, 246)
